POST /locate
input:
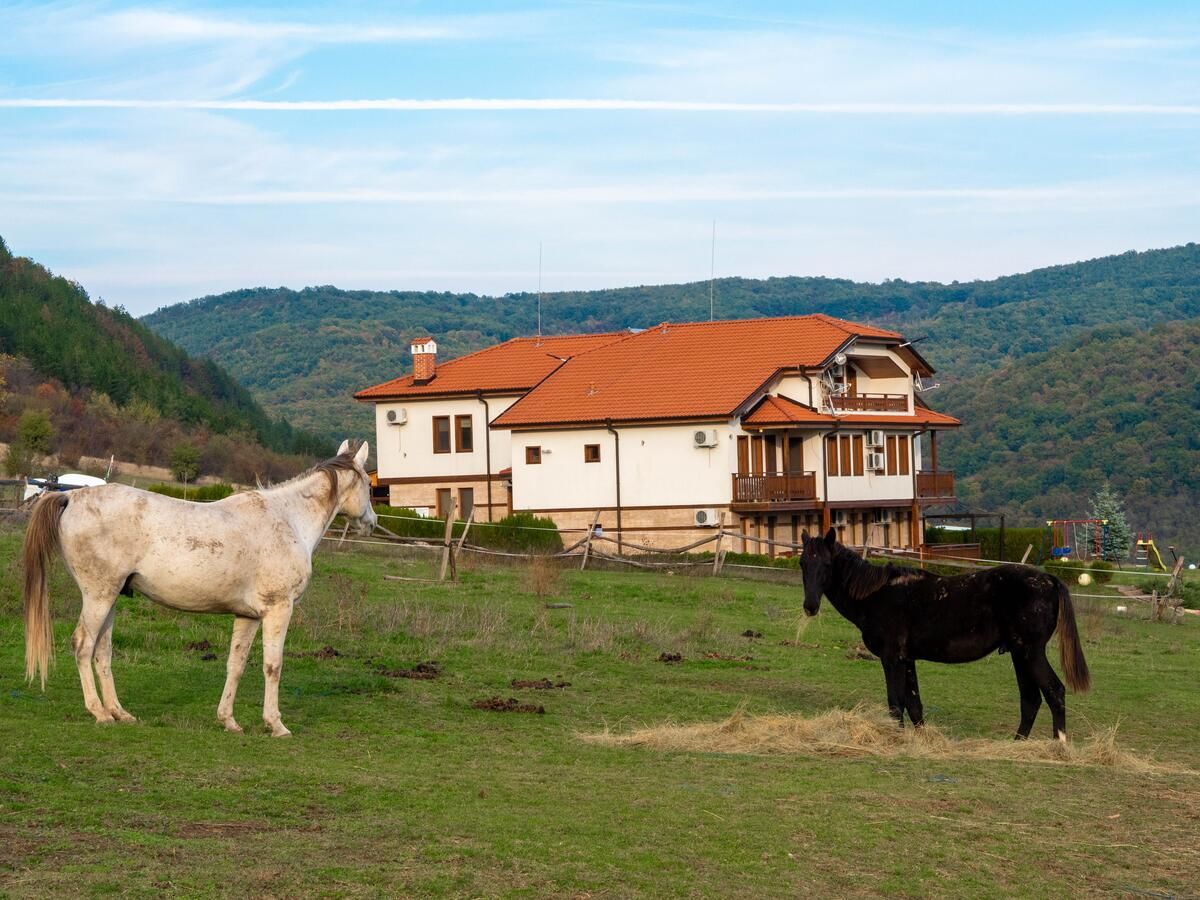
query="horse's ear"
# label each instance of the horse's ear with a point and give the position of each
(361, 456)
(804, 537)
(343, 448)
(831, 539)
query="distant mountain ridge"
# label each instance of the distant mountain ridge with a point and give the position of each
(304, 352)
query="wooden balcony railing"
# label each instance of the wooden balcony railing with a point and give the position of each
(932, 485)
(774, 487)
(870, 402)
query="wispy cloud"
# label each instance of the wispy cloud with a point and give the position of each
(581, 104)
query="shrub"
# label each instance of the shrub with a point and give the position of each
(1067, 569)
(1102, 571)
(205, 494)
(520, 533)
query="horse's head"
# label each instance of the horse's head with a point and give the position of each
(356, 500)
(816, 562)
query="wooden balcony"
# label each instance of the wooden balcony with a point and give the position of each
(870, 402)
(937, 485)
(775, 487)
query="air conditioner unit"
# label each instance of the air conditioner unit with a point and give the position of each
(875, 438)
(397, 416)
(706, 518)
(838, 371)
(875, 461)
(705, 438)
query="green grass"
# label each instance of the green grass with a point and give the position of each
(399, 787)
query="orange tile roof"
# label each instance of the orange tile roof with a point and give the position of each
(777, 411)
(513, 366)
(682, 371)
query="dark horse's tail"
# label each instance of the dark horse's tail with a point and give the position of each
(1074, 666)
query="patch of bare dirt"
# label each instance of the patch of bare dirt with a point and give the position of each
(423, 671)
(199, 646)
(219, 829)
(803, 645)
(726, 658)
(512, 704)
(671, 658)
(751, 633)
(861, 652)
(326, 652)
(538, 684)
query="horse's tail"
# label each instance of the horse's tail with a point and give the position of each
(1074, 666)
(41, 542)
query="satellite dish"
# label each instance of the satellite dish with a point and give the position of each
(840, 359)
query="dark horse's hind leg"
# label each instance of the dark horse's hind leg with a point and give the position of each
(1052, 689)
(1031, 695)
(912, 694)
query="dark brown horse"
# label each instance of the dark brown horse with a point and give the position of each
(906, 614)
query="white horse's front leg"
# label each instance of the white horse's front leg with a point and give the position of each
(275, 626)
(239, 651)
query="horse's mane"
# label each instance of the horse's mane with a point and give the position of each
(329, 468)
(865, 579)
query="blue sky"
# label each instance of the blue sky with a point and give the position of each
(156, 153)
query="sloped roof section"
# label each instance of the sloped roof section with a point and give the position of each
(690, 370)
(513, 366)
(775, 411)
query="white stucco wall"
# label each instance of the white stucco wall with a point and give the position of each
(406, 451)
(659, 467)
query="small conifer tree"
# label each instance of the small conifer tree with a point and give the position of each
(1118, 537)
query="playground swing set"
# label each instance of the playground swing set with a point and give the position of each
(1085, 539)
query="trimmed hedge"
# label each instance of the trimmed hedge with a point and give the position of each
(1015, 542)
(518, 533)
(204, 494)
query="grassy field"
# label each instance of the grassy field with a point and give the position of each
(394, 785)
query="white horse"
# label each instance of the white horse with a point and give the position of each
(249, 554)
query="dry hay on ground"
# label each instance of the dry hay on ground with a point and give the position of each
(868, 731)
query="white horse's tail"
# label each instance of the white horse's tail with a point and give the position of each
(41, 542)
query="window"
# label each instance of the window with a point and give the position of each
(466, 502)
(892, 462)
(533, 456)
(444, 498)
(844, 454)
(464, 439)
(591, 453)
(441, 434)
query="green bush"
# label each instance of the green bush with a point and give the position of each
(1067, 569)
(204, 494)
(1102, 571)
(518, 533)
(1189, 590)
(1016, 540)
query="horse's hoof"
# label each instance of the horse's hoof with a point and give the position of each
(1062, 737)
(122, 716)
(232, 727)
(105, 719)
(280, 732)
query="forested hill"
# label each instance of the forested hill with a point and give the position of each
(49, 322)
(306, 351)
(1118, 403)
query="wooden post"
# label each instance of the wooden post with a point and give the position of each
(462, 539)
(717, 551)
(587, 546)
(446, 545)
(1028, 550)
(342, 539)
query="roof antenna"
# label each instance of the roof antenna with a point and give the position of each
(539, 291)
(712, 270)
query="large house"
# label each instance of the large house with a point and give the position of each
(770, 425)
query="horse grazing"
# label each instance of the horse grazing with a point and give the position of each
(906, 614)
(249, 554)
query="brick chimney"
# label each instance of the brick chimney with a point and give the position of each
(424, 351)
